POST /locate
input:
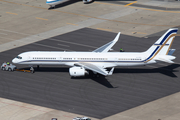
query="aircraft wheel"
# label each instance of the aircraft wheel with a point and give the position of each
(3, 69)
(9, 69)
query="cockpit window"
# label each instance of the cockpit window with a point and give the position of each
(19, 57)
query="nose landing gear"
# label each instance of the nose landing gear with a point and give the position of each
(32, 70)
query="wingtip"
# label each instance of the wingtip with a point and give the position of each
(117, 36)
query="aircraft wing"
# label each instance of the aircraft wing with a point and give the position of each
(95, 68)
(108, 46)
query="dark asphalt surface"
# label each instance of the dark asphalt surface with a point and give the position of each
(124, 2)
(95, 97)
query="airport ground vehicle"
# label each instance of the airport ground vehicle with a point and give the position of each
(6, 66)
(83, 118)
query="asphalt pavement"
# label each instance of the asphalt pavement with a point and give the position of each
(53, 87)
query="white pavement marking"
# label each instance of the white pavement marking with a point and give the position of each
(40, 45)
(14, 32)
(65, 29)
(7, 38)
(3, 33)
(73, 43)
(63, 45)
(48, 38)
(51, 39)
(51, 46)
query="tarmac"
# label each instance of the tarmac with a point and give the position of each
(148, 92)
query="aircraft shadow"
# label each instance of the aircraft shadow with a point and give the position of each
(115, 0)
(166, 70)
(109, 0)
(66, 3)
(101, 80)
(48, 69)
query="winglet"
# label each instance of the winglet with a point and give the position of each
(108, 46)
(117, 37)
(111, 71)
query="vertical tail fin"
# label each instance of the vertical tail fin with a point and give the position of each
(162, 45)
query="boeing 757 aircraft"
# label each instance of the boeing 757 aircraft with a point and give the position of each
(53, 3)
(100, 59)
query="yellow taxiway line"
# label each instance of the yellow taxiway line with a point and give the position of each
(130, 3)
(41, 18)
(166, 11)
(72, 24)
(12, 13)
(104, 29)
(137, 7)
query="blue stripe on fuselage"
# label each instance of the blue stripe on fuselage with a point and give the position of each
(53, 1)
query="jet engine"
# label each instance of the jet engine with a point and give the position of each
(87, 1)
(77, 71)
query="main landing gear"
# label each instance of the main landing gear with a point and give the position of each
(32, 69)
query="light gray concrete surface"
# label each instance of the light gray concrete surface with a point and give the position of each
(64, 29)
(25, 22)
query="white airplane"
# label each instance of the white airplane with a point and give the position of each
(53, 3)
(100, 59)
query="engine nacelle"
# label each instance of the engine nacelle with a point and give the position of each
(77, 71)
(87, 1)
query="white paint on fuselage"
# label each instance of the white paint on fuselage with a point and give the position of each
(108, 59)
(53, 3)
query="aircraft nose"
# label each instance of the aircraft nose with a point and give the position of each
(14, 60)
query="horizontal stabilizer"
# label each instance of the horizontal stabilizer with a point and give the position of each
(165, 58)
